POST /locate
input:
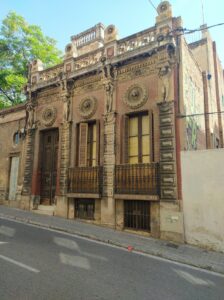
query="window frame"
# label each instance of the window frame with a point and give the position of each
(125, 136)
(89, 140)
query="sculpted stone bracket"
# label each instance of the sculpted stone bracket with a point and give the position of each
(109, 78)
(67, 86)
(30, 119)
(165, 66)
(168, 175)
(164, 75)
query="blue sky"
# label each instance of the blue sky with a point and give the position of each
(62, 19)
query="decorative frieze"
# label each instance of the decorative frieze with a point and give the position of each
(167, 167)
(166, 132)
(88, 84)
(49, 116)
(167, 143)
(135, 96)
(87, 107)
(168, 193)
(138, 41)
(86, 81)
(137, 70)
(168, 179)
(166, 156)
(165, 120)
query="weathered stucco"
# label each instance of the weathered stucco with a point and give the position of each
(203, 190)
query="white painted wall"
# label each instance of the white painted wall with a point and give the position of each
(203, 197)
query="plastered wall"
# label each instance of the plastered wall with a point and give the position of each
(203, 197)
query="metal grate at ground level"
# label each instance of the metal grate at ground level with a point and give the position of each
(137, 215)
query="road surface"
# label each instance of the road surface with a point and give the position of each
(37, 263)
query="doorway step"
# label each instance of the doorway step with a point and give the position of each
(45, 210)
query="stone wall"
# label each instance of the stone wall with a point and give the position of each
(203, 53)
(192, 108)
(12, 121)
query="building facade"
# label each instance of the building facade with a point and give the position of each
(100, 135)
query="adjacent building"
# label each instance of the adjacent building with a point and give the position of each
(100, 135)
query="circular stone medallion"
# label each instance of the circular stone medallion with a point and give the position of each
(87, 107)
(135, 96)
(49, 116)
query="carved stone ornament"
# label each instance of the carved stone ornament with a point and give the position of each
(49, 116)
(135, 96)
(87, 107)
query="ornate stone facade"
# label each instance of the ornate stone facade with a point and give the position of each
(100, 135)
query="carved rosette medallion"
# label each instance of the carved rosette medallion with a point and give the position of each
(87, 107)
(49, 116)
(135, 96)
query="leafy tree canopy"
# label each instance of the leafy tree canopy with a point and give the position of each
(21, 43)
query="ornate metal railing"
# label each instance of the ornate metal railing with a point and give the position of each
(85, 180)
(139, 179)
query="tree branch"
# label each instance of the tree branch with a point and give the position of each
(9, 98)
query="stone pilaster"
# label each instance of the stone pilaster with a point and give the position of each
(108, 202)
(28, 170)
(171, 217)
(62, 201)
(168, 174)
(64, 157)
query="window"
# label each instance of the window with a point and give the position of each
(88, 144)
(84, 209)
(137, 215)
(16, 138)
(91, 145)
(139, 139)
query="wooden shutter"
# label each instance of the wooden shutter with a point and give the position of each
(125, 136)
(83, 135)
(97, 142)
(151, 135)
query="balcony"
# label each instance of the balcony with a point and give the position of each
(141, 181)
(85, 182)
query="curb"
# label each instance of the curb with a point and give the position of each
(111, 242)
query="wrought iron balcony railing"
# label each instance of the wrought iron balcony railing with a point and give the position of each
(139, 179)
(85, 180)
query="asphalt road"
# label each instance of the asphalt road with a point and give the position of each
(38, 263)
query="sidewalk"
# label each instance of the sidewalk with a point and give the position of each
(180, 253)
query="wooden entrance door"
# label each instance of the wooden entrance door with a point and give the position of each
(49, 159)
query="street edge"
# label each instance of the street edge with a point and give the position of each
(110, 242)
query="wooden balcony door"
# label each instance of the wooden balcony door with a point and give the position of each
(49, 159)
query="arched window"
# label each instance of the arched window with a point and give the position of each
(16, 138)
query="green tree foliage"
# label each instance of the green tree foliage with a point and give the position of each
(21, 43)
